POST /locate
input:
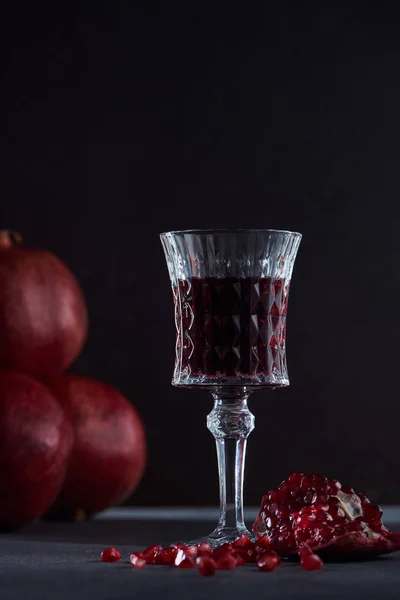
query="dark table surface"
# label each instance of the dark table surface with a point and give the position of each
(62, 561)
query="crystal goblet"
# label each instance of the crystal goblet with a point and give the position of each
(230, 289)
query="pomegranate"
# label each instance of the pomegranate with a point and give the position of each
(36, 439)
(43, 317)
(109, 452)
(319, 513)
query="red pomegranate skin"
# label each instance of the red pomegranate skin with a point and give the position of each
(43, 316)
(109, 453)
(35, 442)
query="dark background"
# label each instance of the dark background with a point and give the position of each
(120, 120)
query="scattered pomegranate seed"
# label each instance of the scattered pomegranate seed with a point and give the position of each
(166, 556)
(137, 554)
(243, 542)
(191, 551)
(204, 549)
(305, 551)
(227, 562)
(221, 550)
(269, 561)
(183, 561)
(136, 559)
(240, 562)
(263, 544)
(151, 552)
(249, 555)
(206, 565)
(110, 555)
(179, 546)
(311, 562)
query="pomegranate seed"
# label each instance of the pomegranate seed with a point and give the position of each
(191, 551)
(204, 549)
(311, 562)
(183, 561)
(174, 551)
(206, 565)
(268, 561)
(262, 544)
(226, 562)
(249, 555)
(243, 542)
(110, 555)
(305, 551)
(221, 550)
(151, 552)
(136, 559)
(166, 556)
(240, 562)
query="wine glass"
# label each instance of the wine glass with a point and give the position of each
(230, 289)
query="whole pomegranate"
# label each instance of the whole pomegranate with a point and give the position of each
(109, 453)
(318, 513)
(43, 317)
(35, 442)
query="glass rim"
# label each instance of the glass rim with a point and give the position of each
(233, 230)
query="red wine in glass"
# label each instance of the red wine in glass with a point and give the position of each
(232, 328)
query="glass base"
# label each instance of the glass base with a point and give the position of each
(221, 535)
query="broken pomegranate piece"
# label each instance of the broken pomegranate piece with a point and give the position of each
(319, 513)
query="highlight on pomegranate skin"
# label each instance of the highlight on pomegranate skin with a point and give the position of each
(319, 513)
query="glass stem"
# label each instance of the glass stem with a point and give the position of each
(231, 422)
